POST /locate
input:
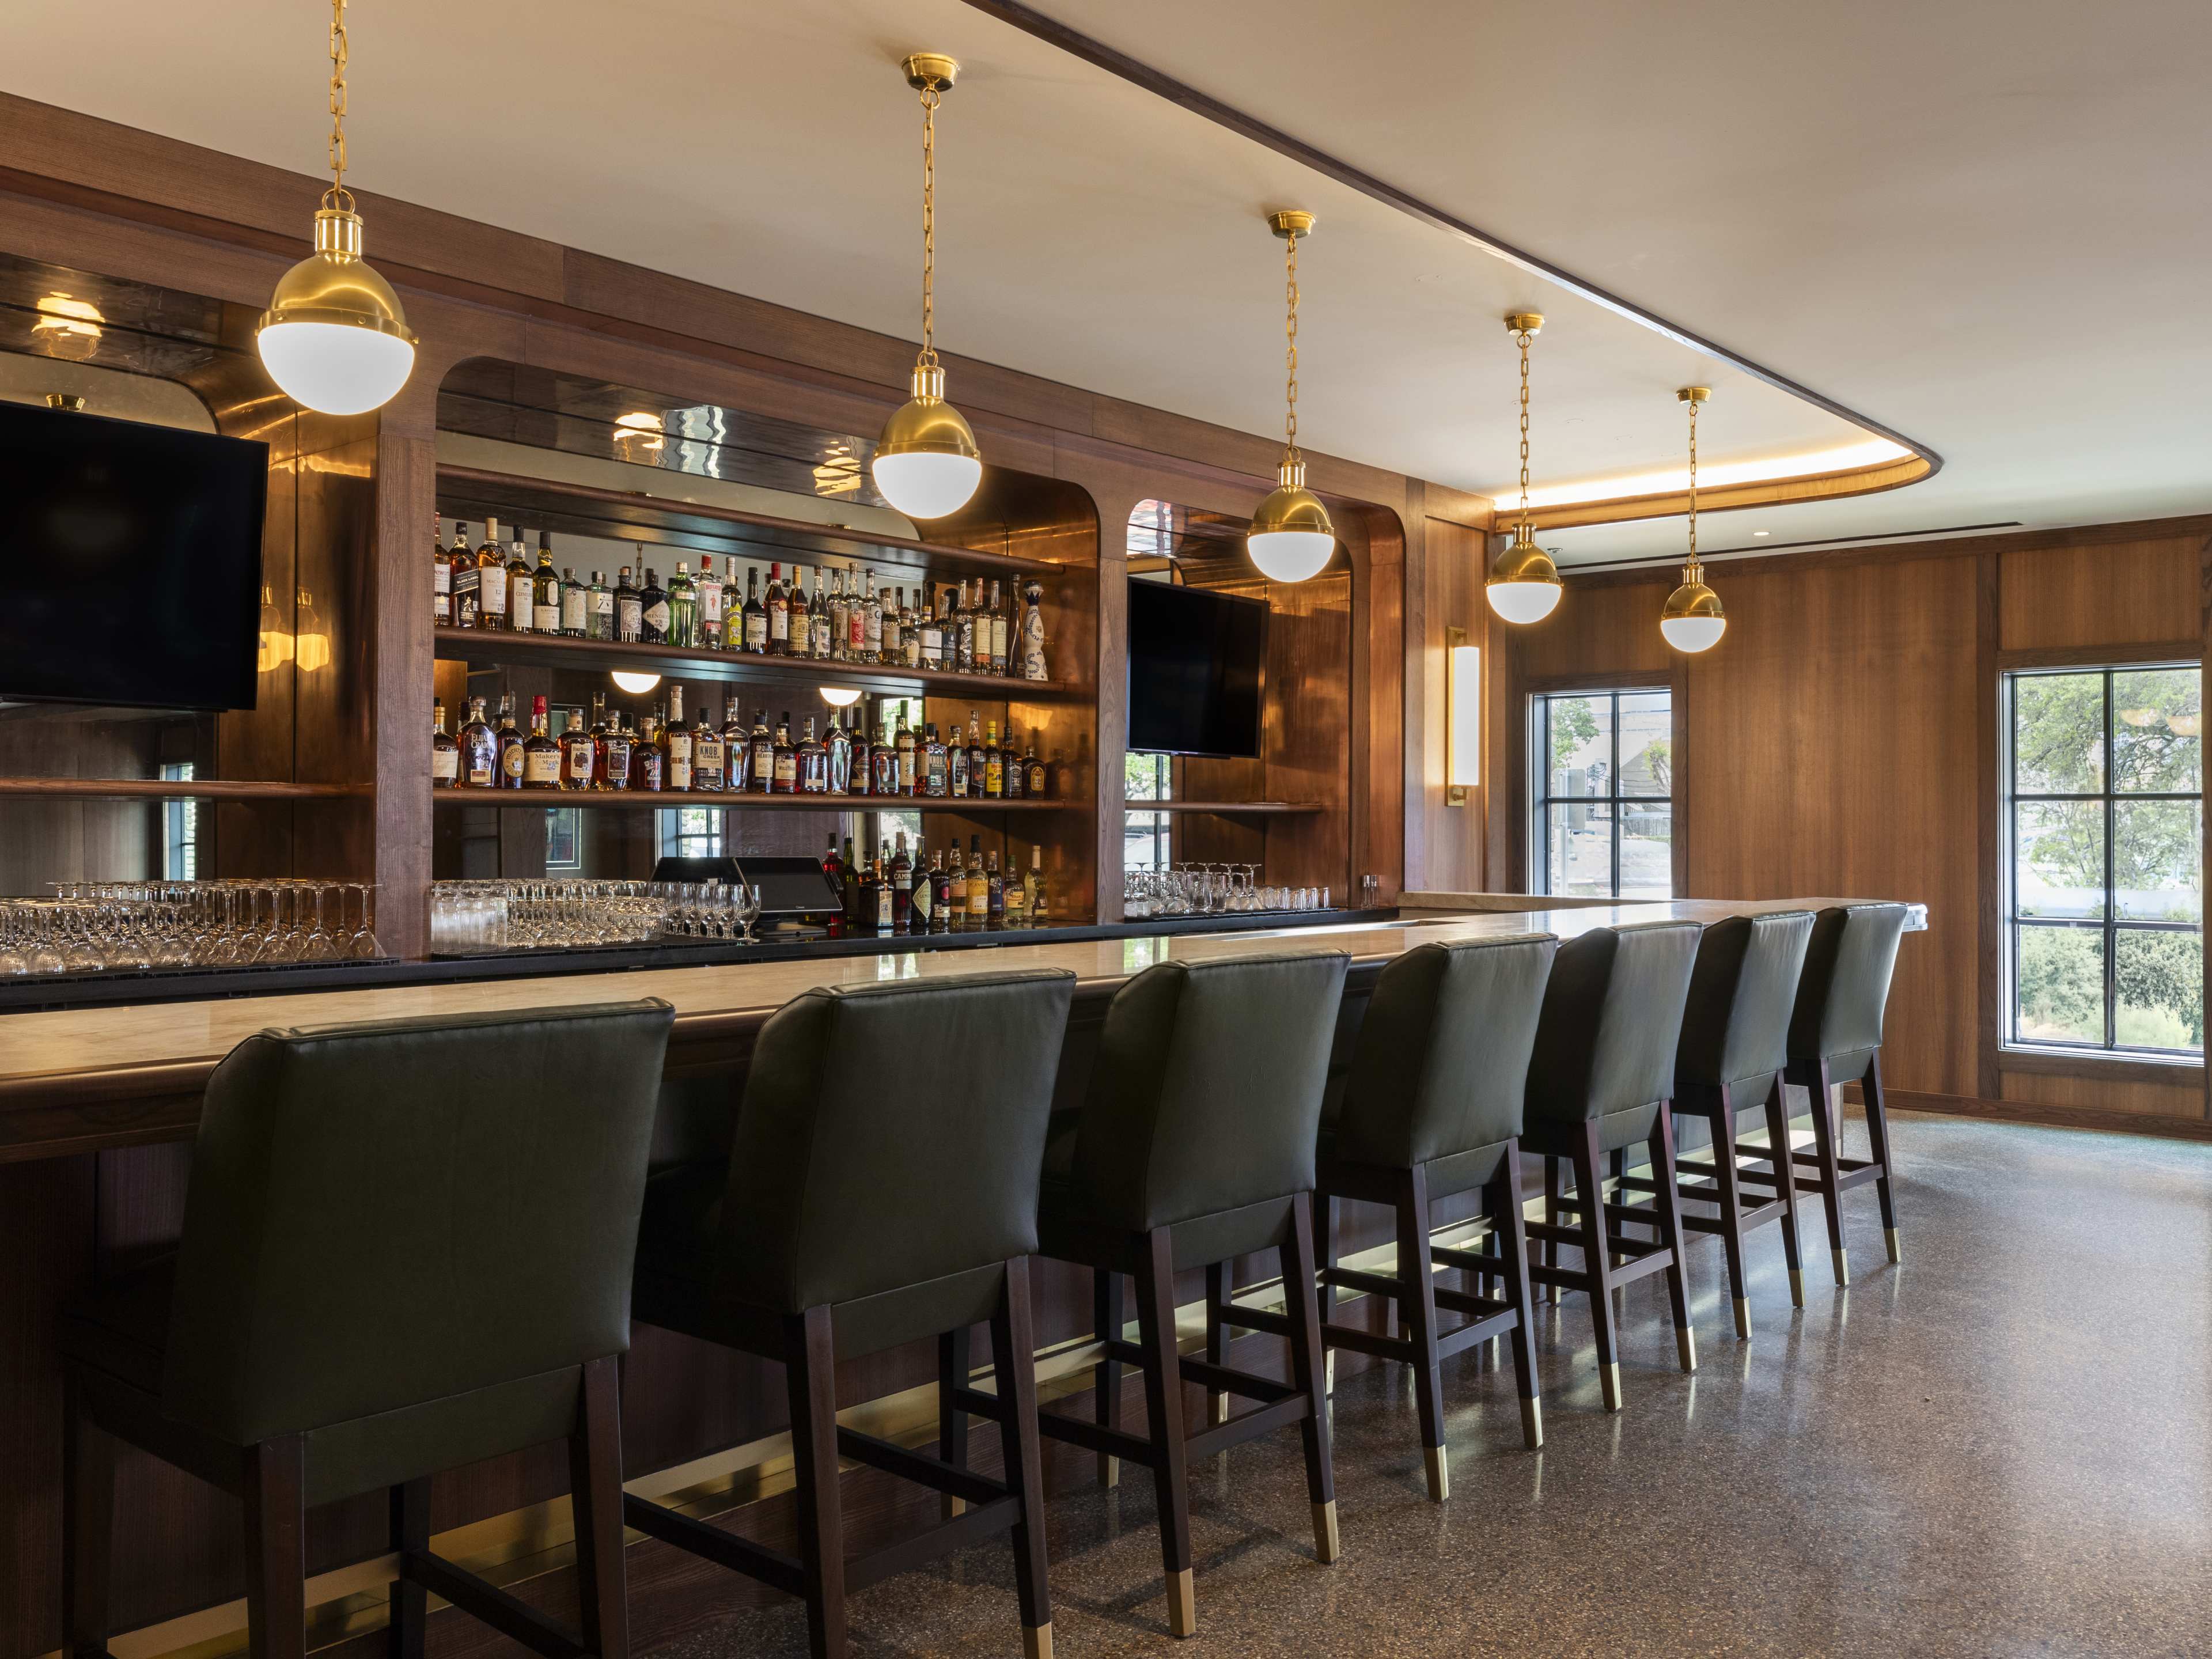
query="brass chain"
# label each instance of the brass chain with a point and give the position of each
(1290, 354)
(1692, 574)
(1524, 336)
(339, 196)
(930, 97)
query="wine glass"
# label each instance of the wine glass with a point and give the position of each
(361, 945)
(745, 906)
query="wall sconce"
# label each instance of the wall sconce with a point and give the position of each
(1462, 716)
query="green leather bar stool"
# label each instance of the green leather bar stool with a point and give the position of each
(1729, 1063)
(1835, 1037)
(1432, 1109)
(406, 1246)
(875, 1195)
(1599, 1081)
(1194, 1146)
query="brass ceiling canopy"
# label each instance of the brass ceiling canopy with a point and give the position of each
(1692, 619)
(1523, 585)
(1292, 537)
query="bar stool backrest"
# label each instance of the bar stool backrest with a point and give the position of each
(1845, 988)
(891, 1135)
(1206, 1093)
(1613, 1014)
(1736, 1027)
(1440, 1066)
(385, 1215)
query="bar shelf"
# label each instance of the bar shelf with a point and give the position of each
(734, 801)
(244, 789)
(1229, 808)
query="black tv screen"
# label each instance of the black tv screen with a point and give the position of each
(132, 556)
(1196, 671)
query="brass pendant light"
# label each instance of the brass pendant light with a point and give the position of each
(1291, 537)
(926, 464)
(1523, 585)
(1693, 619)
(335, 338)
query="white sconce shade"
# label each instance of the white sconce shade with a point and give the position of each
(1462, 716)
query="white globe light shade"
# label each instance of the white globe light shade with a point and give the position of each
(636, 685)
(1523, 602)
(1694, 633)
(926, 484)
(840, 696)
(1290, 555)
(337, 369)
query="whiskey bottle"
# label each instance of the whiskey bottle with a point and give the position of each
(521, 589)
(996, 610)
(444, 753)
(883, 762)
(994, 766)
(1035, 779)
(491, 580)
(929, 635)
(629, 611)
(754, 617)
(978, 775)
(541, 756)
(901, 878)
(841, 617)
(798, 625)
(479, 744)
(461, 576)
(1040, 907)
(761, 780)
(614, 755)
(1031, 645)
(867, 622)
(936, 781)
(837, 747)
(682, 609)
(979, 887)
(995, 892)
(709, 755)
(510, 745)
(575, 604)
(778, 603)
(818, 624)
(648, 761)
(710, 605)
(909, 759)
(894, 650)
(785, 778)
(579, 756)
(441, 576)
(675, 742)
(813, 764)
(653, 610)
(960, 630)
(545, 606)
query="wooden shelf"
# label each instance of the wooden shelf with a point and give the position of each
(685, 663)
(1229, 808)
(174, 789)
(668, 800)
(618, 514)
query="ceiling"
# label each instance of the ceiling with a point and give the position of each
(1992, 239)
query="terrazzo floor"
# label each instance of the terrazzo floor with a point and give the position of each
(2002, 1446)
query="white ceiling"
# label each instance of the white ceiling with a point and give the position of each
(1992, 237)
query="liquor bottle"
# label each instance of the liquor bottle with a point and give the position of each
(819, 621)
(761, 775)
(461, 576)
(580, 754)
(598, 602)
(710, 755)
(675, 741)
(444, 753)
(996, 610)
(575, 604)
(909, 759)
(614, 755)
(784, 779)
(479, 746)
(1055, 777)
(871, 639)
(1014, 902)
(979, 887)
(509, 737)
(491, 580)
(653, 610)
(778, 605)
(963, 630)
(682, 609)
(1032, 631)
(920, 897)
(936, 772)
(902, 877)
(978, 762)
(1033, 777)
(799, 622)
(541, 756)
(545, 609)
(629, 611)
(441, 576)
(849, 885)
(1040, 908)
(829, 857)
(710, 605)
(1016, 779)
(864, 768)
(995, 892)
(995, 765)
(737, 749)
(521, 589)
(883, 762)
(956, 769)
(813, 764)
(929, 634)
(933, 881)
(837, 746)
(893, 650)
(840, 616)
(876, 899)
(751, 616)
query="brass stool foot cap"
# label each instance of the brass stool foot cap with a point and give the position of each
(1328, 1373)
(1685, 1343)
(1036, 1643)
(1532, 1423)
(1896, 1247)
(1182, 1605)
(1743, 1318)
(1843, 1266)
(1327, 1546)
(1109, 1472)
(1219, 1409)
(1439, 1462)
(1796, 1287)
(1609, 1377)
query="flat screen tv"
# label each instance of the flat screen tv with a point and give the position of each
(131, 560)
(1197, 663)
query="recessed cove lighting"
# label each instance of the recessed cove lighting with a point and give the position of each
(1762, 532)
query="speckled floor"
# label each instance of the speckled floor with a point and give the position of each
(2003, 1446)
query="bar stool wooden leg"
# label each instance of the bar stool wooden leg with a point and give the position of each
(88, 1525)
(1013, 1340)
(1332, 1297)
(1304, 1312)
(1550, 1251)
(1108, 1322)
(411, 1530)
(1785, 1179)
(1597, 1258)
(1669, 1204)
(596, 1494)
(1722, 1123)
(956, 1367)
(1511, 1247)
(1217, 1336)
(276, 1549)
(810, 1380)
(1877, 1115)
(1156, 1335)
(1417, 1295)
(1832, 1174)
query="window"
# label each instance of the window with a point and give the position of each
(1601, 775)
(1146, 841)
(180, 828)
(2103, 904)
(691, 832)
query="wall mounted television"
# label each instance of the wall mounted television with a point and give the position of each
(132, 559)
(1197, 671)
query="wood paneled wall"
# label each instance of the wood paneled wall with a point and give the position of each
(1842, 740)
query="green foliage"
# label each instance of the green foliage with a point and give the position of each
(1573, 723)
(2059, 978)
(2059, 749)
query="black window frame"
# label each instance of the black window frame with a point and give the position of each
(1542, 801)
(1161, 829)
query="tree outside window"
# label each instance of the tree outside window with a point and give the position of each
(1602, 816)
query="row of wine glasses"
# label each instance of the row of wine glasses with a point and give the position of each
(140, 927)
(471, 916)
(1209, 889)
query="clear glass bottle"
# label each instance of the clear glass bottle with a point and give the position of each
(521, 589)
(479, 745)
(931, 634)
(784, 779)
(675, 742)
(995, 608)
(1040, 906)
(760, 779)
(710, 761)
(710, 605)
(837, 747)
(510, 739)
(1032, 632)
(648, 761)
(737, 749)
(444, 752)
(579, 757)
(491, 580)
(907, 754)
(819, 620)
(936, 768)
(813, 764)
(682, 609)
(893, 649)
(575, 604)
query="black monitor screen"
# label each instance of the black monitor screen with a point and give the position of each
(132, 556)
(1196, 671)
